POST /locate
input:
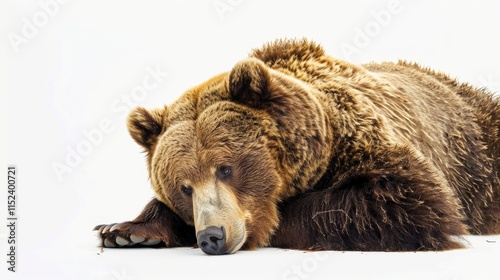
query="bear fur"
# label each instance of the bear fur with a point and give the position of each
(295, 149)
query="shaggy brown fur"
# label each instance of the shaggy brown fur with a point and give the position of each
(295, 149)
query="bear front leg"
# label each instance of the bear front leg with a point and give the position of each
(396, 203)
(157, 225)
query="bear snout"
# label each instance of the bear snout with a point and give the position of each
(212, 240)
(220, 240)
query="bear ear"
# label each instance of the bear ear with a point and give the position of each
(249, 81)
(146, 125)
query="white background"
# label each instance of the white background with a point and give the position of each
(68, 66)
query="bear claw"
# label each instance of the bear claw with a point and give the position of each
(112, 236)
(115, 227)
(106, 228)
(108, 243)
(151, 242)
(121, 241)
(137, 239)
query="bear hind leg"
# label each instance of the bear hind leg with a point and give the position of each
(376, 210)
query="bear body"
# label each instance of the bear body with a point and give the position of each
(295, 149)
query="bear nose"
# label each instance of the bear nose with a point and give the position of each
(211, 240)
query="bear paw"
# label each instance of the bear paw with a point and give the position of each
(123, 235)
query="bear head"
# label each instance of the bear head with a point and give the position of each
(227, 152)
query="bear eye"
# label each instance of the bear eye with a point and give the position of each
(187, 190)
(223, 172)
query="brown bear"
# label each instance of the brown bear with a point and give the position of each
(295, 149)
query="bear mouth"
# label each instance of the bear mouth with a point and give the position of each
(237, 245)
